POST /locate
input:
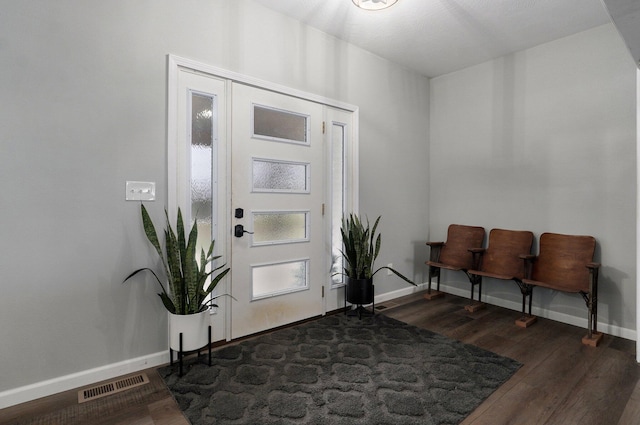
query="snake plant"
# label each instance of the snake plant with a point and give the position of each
(361, 246)
(185, 291)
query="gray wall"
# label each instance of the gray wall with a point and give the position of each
(83, 89)
(544, 140)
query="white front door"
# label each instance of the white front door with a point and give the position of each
(279, 263)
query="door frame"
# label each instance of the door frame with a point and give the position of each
(637, 215)
(174, 65)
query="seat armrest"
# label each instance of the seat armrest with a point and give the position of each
(593, 265)
(528, 264)
(477, 254)
(434, 244)
(436, 247)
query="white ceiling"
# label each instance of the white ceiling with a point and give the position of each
(435, 37)
(626, 16)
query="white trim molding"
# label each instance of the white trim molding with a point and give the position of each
(547, 314)
(77, 380)
(637, 216)
(174, 62)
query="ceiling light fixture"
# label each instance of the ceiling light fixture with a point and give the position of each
(374, 4)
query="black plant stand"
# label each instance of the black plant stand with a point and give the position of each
(359, 292)
(182, 353)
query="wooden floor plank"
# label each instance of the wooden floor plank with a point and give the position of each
(631, 413)
(608, 383)
(166, 412)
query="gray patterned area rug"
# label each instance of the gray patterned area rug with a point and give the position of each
(339, 370)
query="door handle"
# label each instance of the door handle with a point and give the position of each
(238, 231)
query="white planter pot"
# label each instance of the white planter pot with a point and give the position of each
(194, 329)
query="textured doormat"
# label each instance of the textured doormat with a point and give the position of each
(340, 370)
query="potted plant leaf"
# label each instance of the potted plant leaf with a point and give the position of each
(186, 291)
(361, 246)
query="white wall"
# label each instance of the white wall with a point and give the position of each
(83, 89)
(544, 140)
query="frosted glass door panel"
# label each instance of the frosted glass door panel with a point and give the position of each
(280, 176)
(279, 125)
(202, 134)
(280, 227)
(338, 136)
(276, 279)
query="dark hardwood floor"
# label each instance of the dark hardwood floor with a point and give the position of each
(561, 382)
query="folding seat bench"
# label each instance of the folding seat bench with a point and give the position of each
(565, 263)
(454, 254)
(502, 259)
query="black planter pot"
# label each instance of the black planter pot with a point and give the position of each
(359, 292)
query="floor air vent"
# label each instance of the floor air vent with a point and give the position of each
(112, 387)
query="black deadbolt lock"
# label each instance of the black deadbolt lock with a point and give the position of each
(239, 213)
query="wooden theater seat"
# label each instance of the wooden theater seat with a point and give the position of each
(501, 260)
(453, 254)
(565, 263)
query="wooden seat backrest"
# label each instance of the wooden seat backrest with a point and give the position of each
(460, 239)
(562, 261)
(504, 249)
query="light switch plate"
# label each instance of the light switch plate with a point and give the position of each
(140, 191)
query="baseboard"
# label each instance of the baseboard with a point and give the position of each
(408, 290)
(548, 314)
(80, 379)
